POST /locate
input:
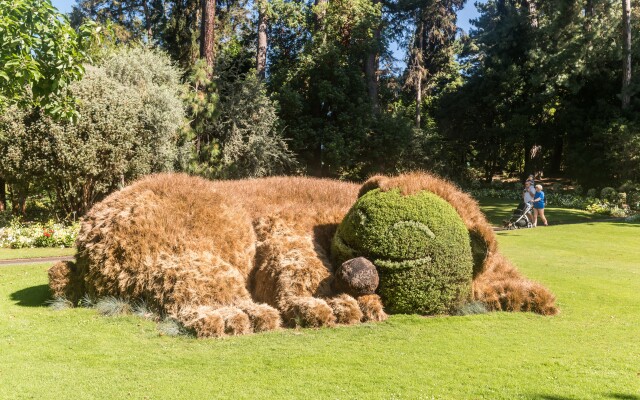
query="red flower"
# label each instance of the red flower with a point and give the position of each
(47, 232)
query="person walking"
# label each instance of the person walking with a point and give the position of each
(538, 207)
(529, 192)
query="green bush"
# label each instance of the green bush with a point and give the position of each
(633, 200)
(127, 127)
(419, 245)
(592, 193)
(608, 193)
(578, 190)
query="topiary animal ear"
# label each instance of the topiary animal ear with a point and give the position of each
(375, 182)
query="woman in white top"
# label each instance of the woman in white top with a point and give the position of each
(529, 192)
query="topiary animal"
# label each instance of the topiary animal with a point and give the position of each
(233, 257)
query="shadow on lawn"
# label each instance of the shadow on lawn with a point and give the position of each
(623, 396)
(34, 296)
(615, 396)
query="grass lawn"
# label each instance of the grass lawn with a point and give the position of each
(498, 210)
(7, 254)
(590, 351)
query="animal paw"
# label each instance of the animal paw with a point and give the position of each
(346, 309)
(309, 312)
(262, 317)
(371, 307)
(207, 321)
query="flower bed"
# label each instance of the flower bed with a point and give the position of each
(19, 235)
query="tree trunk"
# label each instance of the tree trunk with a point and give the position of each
(319, 15)
(371, 68)
(3, 195)
(207, 33)
(418, 77)
(533, 13)
(626, 63)
(147, 19)
(261, 56)
(556, 159)
(589, 12)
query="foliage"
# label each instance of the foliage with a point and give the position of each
(18, 235)
(245, 138)
(40, 55)
(130, 115)
(419, 245)
(608, 193)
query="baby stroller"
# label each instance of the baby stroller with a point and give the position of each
(520, 217)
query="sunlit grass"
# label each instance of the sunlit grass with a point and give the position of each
(7, 254)
(590, 351)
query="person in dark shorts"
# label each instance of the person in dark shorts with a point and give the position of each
(538, 207)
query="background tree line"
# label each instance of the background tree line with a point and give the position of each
(297, 86)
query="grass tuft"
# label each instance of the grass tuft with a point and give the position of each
(471, 308)
(173, 328)
(59, 304)
(141, 309)
(87, 301)
(112, 306)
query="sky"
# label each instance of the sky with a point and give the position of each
(467, 13)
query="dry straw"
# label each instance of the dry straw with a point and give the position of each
(234, 257)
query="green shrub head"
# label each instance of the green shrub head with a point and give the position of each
(578, 190)
(608, 193)
(419, 245)
(621, 199)
(591, 193)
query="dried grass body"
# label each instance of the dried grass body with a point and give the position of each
(208, 253)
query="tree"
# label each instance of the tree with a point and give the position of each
(40, 55)
(626, 63)
(372, 63)
(261, 54)
(247, 131)
(207, 33)
(130, 116)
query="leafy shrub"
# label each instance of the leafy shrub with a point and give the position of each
(419, 245)
(592, 193)
(130, 114)
(599, 207)
(50, 234)
(247, 131)
(633, 200)
(633, 218)
(608, 193)
(578, 190)
(629, 186)
(491, 193)
(618, 212)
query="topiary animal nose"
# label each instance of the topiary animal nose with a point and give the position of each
(357, 277)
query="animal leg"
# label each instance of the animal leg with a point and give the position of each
(501, 287)
(294, 275)
(371, 307)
